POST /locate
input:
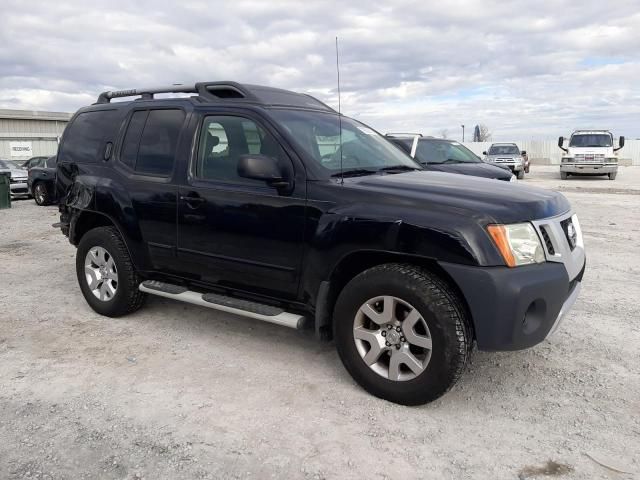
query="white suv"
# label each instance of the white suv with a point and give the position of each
(590, 152)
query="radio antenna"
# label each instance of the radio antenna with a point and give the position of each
(339, 111)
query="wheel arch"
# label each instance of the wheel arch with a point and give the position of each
(357, 262)
(83, 221)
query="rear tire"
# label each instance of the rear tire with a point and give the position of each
(441, 328)
(612, 176)
(106, 274)
(40, 194)
(564, 175)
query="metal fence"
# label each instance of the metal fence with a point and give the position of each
(547, 151)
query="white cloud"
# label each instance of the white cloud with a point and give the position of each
(526, 70)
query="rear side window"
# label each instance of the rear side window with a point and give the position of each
(149, 146)
(85, 139)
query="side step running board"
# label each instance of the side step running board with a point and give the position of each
(245, 308)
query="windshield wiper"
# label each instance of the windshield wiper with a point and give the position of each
(452, 160)
(398, 168)
(355, 172)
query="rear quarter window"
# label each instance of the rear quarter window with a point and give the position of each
(85, 138)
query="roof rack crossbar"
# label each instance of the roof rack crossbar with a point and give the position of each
(105, 97)
(402, 134)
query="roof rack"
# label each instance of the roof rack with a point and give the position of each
(208, 90)
(226, 90)
(403, 134)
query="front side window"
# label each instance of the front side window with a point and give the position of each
(591, 140)
(504, 150)
(358, 147)
(438, 151)
(224, 139)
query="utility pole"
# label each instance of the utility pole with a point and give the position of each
(462, 133)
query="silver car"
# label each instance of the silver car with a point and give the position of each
(18, 182)
(507, 154)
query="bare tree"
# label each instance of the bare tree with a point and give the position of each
(485, 133)
(444, 133)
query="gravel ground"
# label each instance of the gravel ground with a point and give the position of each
(180, 392)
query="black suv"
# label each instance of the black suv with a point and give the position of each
(269, 204)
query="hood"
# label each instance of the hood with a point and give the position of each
(475, 169)
(482, 198)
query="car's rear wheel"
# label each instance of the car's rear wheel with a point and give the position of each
(40, 194)
(106, 275)
(402, 334)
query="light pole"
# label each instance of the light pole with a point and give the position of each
(462, 133)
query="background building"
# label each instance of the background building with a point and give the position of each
(25, 133)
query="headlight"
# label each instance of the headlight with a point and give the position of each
(518, 243)
(611, 160)
(567, 159)
(513, 178)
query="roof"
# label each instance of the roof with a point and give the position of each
(224, 92)
(34, 115)
(586, 132)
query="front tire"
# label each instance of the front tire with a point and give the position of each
(106, 274)
(563, 175)
(520, 174)
(402, 334)
(40, 194)
(612, 175)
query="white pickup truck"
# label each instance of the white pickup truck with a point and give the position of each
(590, 152)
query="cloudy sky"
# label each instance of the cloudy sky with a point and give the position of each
(526, 69)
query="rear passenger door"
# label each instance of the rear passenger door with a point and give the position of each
(237, 232)
(146, 160)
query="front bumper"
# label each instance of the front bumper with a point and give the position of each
(515, 308)
(589, 168)
(513, 166)
(19, 188)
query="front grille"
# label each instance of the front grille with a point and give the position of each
(590, 157)
(547, 240)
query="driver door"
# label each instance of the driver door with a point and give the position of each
(236, 232)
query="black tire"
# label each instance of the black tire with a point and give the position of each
(40, 194)
(443, 312)
(127, 297)
(564, 175)
(612, 176)
(520, 174)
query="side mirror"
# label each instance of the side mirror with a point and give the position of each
(262, 167)
(561, 143)
(523, 152)
(620, 143)
(484, 153)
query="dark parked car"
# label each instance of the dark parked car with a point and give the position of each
(18, 180)
(442, 155)
(259, 202)
(42, 182)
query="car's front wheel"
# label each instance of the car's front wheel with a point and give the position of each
(563, 175)
(106, 275)
(520, 174)
(402, 334)
(40, 194)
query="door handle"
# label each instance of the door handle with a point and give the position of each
(193, 200)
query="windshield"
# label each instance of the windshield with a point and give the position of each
(591, 140)
(363, 150)
(504, 150)
(438, 151)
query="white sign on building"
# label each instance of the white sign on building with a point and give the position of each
(21, 149)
